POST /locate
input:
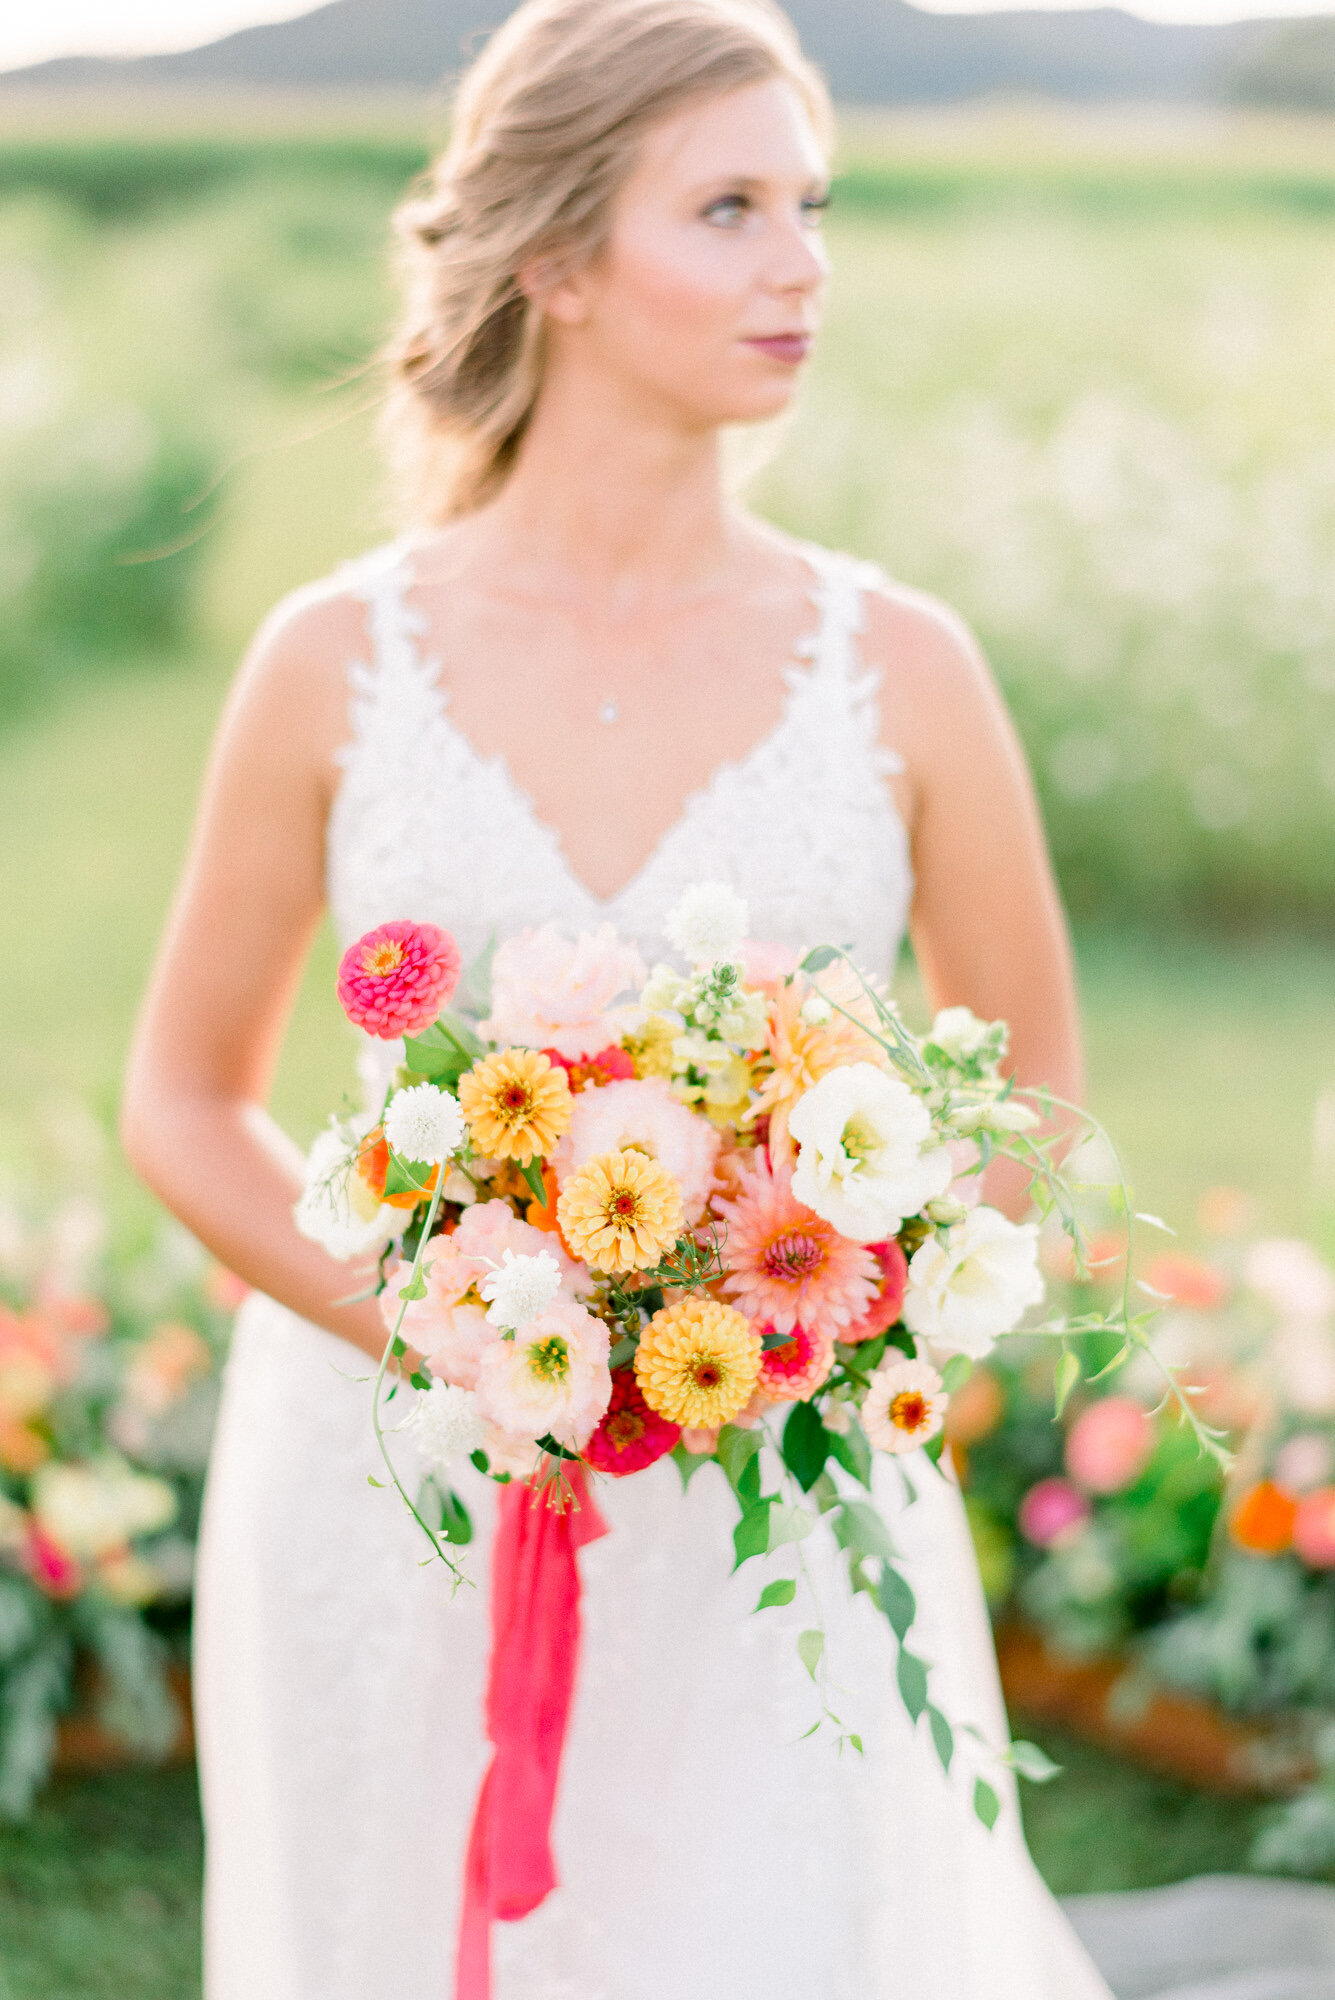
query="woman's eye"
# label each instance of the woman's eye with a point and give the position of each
(815, 208)
(728, 210)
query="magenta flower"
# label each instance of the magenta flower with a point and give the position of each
(395, 980)
(631, 1436)
(1051, 1511)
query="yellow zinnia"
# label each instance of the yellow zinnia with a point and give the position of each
(621, 1212)
(517, 1105)
(698, 1363)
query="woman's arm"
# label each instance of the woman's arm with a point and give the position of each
(987, 924)
(193, 1121)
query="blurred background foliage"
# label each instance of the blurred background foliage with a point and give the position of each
(1077, 379)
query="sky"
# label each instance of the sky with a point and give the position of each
(136, 27)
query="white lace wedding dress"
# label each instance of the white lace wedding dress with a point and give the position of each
(705, 1852)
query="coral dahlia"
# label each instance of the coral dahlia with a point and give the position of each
(516, 1105)
(620, 1212)
(888, 1304)
(631, 1436)
(698, 1363)
(395, 980)
(803, 1051)
(785, 1264)
(793, 1373)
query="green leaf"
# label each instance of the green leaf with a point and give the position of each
(986, 1804)
(782, 1592)
(897, 1601)
(789, 1524)
(856, 1742)
(912, 1677)
(1068, 1374)
(407, 1177)
(1033, 1763)
(822, 957)
(735, 1450)
(869, 1355)
(419, 1380)
(415, 1289)
(555, 1450)
(857, 1525)
(455, 1522)
(372, 1481)
(623, 1353)
(810, 1648)
(943, 1736)
(480, 1460)
(532, 1172)
(398, 1347)
(853, 1452)
(806, 1445)
(446, 1050)
(688, 1463)
(956, 1373)
(751, 1535)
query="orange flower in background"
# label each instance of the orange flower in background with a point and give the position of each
(517, 1105)
(164, 1366)
(1263, 1520)
(621, 1211)
(373, 1167)
(1188, 1281)
(976, 1409)
(21, 1450)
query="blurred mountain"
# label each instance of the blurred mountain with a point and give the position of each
(874, 52)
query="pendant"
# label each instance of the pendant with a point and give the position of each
(609, 713)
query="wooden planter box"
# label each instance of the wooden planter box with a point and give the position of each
(1178, 1735)
(82, 1744)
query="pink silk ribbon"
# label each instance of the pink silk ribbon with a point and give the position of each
(535, 1635)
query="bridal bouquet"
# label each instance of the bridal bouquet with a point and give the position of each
(693, 1211)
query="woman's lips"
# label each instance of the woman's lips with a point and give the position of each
(790, 347)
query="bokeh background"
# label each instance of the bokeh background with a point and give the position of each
(1079, 378)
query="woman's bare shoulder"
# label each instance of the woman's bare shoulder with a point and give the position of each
(294, 678)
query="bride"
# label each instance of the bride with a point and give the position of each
(583, 679)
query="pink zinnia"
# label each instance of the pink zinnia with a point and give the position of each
(1051, 1511)
(888, 1304)
(793, 1373)
(786, 1264)
(631, 1436)
(395, 980)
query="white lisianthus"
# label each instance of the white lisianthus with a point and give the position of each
(337, 1210)
(446, 1425)
(519, 1288)
(424, 1124)
(708, 923)
(866, 1152)
(905, 1405)
(968, 1288)
(959, 1034)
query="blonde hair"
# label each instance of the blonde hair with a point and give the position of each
(547, 126)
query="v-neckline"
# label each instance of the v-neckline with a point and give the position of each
(796, 671)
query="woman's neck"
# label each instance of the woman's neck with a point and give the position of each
(614, 506)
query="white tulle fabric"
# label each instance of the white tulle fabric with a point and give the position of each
(704, 1850)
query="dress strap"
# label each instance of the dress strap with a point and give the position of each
(834, 649)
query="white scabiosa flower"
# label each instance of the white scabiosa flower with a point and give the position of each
(867, 1155)
(424, 1124)
(446, 1426)
(968, 1288)
(519, 1288)
(337, 1210)
(708, 923)
(905, 1405)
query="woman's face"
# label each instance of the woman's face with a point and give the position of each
(705, 301)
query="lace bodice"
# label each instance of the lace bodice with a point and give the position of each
(805, 826)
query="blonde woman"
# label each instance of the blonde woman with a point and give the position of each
(582, 679)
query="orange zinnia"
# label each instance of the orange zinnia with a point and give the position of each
(373, 1166)
(517, 1105)
(1262, 1522)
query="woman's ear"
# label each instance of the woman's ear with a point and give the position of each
(549, 284)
